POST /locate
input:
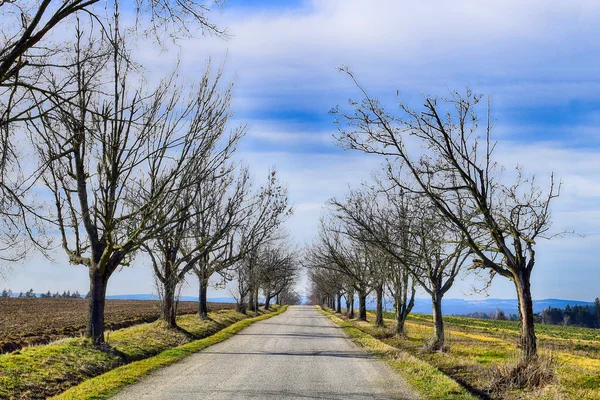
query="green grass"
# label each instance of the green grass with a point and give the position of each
(542, 330)
(107, 385)
(428, 380)
(44, 371)
(478, 348)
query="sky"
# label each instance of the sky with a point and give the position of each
(537, 60)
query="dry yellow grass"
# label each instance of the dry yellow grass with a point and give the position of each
(476, 351)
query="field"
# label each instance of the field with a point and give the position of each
(479, 349)
(37, 321)
(40, 372)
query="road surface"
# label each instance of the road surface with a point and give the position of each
(299, 354)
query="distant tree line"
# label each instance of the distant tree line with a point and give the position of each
(584, 316)
(48, 295)
(497, 315)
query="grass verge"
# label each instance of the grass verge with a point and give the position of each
(45, 371)
(480, 351)
(428, 380)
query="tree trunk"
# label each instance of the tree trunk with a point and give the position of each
(202, 302)
(362, 305)
(437, 343)
(241, 307)
(528, 339)
(400, 318)
(267, 300)
(95, 327)
(251, 299)
(347, 304)
(339, 303)
(403, 308)
(256, 299)
(351, 314)
(379, 309)
(403, 304)
(168, 314)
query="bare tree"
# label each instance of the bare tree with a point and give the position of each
(118, 158)
(33, 52)
(27, 24)
(500, 222)
(440, 255)
(327, 286)
(348, 293)
(416, 240)
(396, 226)
(221, 208)
(338, 248)
(402, 288)
(358, 214)
(279, 270)
(28, 54)
(289, 296)
(255, 219)
(264, 214)
(176, 251)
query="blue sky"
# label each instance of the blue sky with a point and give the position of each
(538, 61)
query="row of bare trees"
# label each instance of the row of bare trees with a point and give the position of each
(129, 167)
(442, 203)
(385, 241)
(272, 267)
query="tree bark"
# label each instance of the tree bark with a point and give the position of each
(256, 299)
(379, 309)
(202, 301)
(403, 308)
(351, 314)
(400, 319)
(168, 314)
(347, 304)
(241, 307)
(362, 305)
(251, 299)
(528, 339)
(267, 300)
(97, 301)
(437, 343)
(339, 303)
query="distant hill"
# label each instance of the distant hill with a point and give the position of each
(422, 305)
(466, 306)
(155, 297)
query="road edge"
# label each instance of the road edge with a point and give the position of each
(112, 382)
(428, 381)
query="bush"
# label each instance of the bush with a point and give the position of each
(522, 375)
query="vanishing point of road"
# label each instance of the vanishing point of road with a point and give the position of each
(299, 354)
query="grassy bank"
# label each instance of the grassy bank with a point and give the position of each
(44, 371)
(478, 348)
(428, 380)
(24, 322)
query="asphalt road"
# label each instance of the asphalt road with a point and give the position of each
(299, 354)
